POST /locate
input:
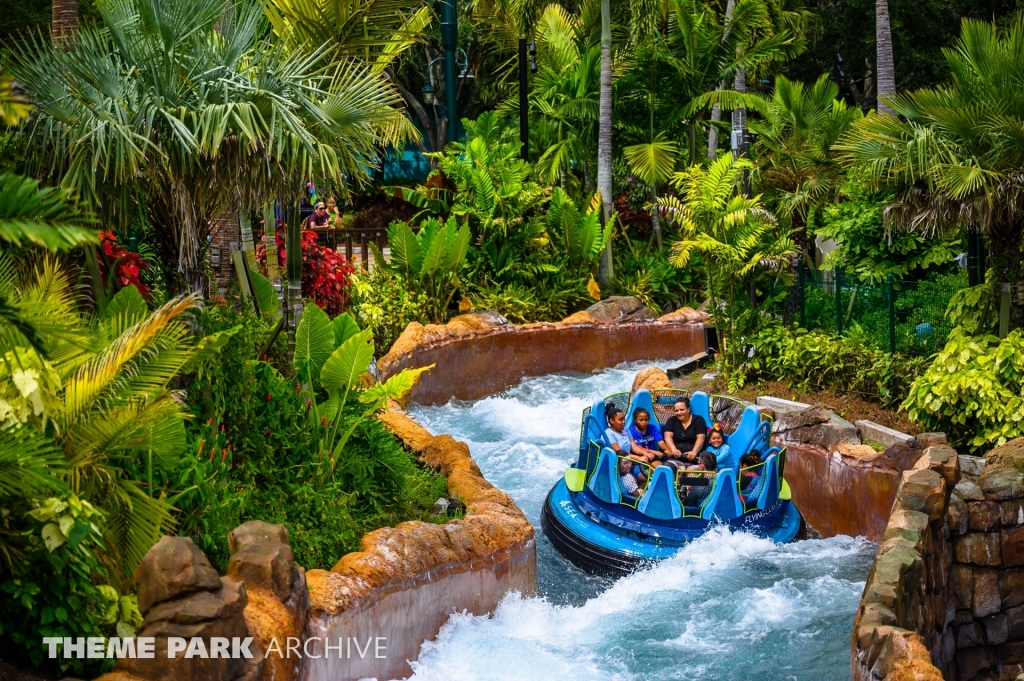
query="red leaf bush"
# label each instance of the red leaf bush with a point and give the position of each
(325, 273)
(128, 266)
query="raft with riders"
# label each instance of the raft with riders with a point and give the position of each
(655, 471)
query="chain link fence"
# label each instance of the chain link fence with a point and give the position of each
(899, 316)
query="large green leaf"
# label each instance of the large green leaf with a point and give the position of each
(395, 388)
(434, 249)
(345, 327)
(406, 255)
(128, 302)
(314, 341)
(266, 295)
(348, 362)
(456, 248)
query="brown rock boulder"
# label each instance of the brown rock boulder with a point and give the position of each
(256, 532)
(978, 549)
(923, 490)
(618, 309)
(685, 314)
(816, 426)
(265, 566)
(986, 592)
(904, 455)
(650, 378)
(174, 566)
(225, 603)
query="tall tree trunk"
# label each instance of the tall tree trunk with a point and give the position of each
(65, 19)
(886, 71)
(716, 110)
(604, 137)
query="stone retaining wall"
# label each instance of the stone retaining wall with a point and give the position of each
(945, 596)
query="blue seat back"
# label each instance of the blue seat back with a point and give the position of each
(641, 399)
(741, 440)
(700, 405)
(723, 503)
(604, 482)
(770, 491)
(661, 499)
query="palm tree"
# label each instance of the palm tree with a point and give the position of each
(179, 110)
(565, 94)
(65, 19)
(95, 388)
(885, 77)
(955, 155)
(797, 168)
(737, 236)
(604, 137)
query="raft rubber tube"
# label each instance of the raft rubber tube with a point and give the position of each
(600, 548)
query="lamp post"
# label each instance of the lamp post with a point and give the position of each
(524, 120)
(450, 42)
(429, 90)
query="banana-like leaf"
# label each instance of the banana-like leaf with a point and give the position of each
(345, 327)
(348, 362)
(395, 388)
(436, 242)
(406, 254)
(127, 302)
(314, 341)
(457, 247)
(30, 463)
(265, 294)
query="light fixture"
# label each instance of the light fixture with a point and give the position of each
(428, 92)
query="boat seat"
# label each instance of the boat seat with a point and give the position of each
(723, 503)
(642, 399)
(661, 500)
(604, 482)
(770, 491)
(700, 405)
(745, 435)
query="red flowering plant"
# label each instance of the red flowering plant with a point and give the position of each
(128, 266)
(325, 273)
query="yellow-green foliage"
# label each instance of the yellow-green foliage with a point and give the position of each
(972, 391)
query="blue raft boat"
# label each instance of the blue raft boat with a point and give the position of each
(590, 519)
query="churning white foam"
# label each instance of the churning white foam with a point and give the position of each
(727, 606)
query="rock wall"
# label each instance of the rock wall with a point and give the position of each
(945, 596)
(493, 355)
(842, 486)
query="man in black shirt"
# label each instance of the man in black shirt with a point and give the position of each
(684, 434)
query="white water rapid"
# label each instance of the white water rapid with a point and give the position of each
(728, 606)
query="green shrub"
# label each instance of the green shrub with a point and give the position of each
(973, 390)
(813, 359)
(59, 587)
(383, 302)
(255, 456)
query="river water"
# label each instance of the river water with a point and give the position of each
(728, 606)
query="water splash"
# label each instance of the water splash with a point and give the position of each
(728, 606)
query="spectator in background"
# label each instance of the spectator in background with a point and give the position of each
(319, 217)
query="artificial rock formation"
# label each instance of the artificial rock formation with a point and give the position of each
(493, 355)
(278, 596)
(406, 580)
(651, 378)
(181, 595)
(949, 575)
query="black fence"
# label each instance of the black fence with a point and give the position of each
(899, 316)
